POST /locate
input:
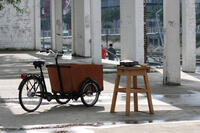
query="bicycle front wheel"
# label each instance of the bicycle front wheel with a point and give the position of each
(30, 94)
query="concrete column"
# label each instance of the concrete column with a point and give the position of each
(56, 25)
(188, 36)
(37, 25)
(96, 31)
(81, 27)
(171, 72)
(132, 29)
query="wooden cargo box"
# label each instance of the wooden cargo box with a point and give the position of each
(73, 77)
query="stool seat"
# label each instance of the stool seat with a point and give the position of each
(132, 72)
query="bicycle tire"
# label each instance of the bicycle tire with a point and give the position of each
(28, 99)
(90, 91)
(59, 101)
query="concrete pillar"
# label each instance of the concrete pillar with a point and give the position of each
(188, 36)
(37, 25)
(81, 27)
(56, 25)
(132, 30)
(96, 31)
(171, 72)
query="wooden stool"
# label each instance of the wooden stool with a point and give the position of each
(132, 72)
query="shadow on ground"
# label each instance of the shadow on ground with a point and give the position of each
(79, 114)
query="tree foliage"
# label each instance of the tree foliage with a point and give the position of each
(110, 15)
(14, 3)
(198, 13)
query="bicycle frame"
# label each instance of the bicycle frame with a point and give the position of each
(41, 77)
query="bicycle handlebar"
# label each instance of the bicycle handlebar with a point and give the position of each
(56, 53)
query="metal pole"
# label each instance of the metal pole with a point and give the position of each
(107, 37)
(145, 34)
(43, 19)
(158, 25)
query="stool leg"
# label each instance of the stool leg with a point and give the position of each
(112, 110)
(135, 94)
(128, 87)
(148, 94)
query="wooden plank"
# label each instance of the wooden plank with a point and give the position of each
(128, 88)
(135, 94)
(148, 94)
(133, 68)
(121, 90)
(142, 90)
(112, 110)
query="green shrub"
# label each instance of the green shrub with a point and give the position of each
(198, 44)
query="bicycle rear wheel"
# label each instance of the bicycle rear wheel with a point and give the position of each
(89, 94)
(30, 94)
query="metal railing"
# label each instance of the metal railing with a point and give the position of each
(116, 56)
(112, 31)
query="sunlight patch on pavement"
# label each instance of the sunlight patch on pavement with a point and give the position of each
(106, 61)
(81, 130)
(17, 56)
(183, 75)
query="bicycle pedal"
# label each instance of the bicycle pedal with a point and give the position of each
(49, 98)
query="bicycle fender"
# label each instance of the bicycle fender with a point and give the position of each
(90, 80)
(28, 77)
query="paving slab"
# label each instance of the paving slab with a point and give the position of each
(176, 107)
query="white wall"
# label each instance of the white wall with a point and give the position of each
(18, 30)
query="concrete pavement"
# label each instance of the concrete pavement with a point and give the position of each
(177, 108)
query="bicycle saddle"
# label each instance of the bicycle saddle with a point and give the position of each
(38, 64)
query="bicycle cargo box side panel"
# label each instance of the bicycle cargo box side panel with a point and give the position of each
(73, 78)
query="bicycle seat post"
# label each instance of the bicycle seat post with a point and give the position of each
(42, 78)
(41, 72)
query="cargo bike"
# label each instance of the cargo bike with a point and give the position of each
(68, 82)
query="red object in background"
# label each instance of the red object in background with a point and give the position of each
(103, 53)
